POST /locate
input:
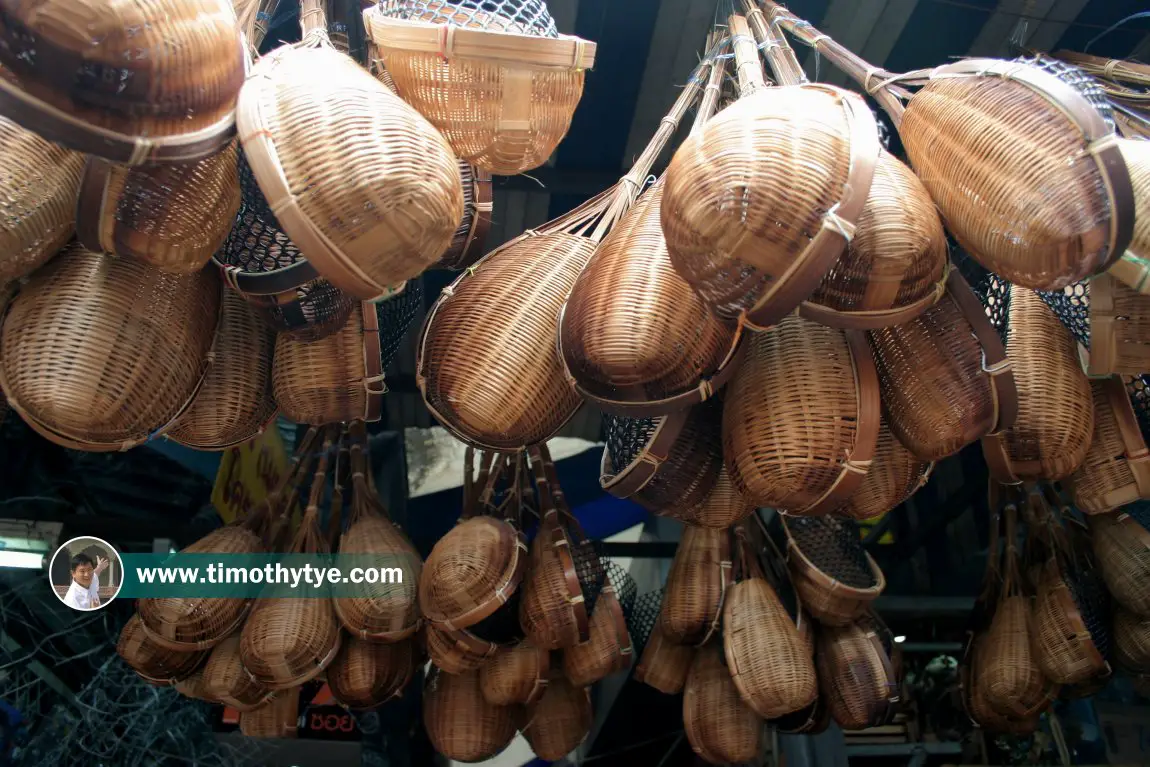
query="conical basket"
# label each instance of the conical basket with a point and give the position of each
(560, 720)
(154, 663)
(499, 83)
(1065, 607)
(1116, 470)
(226, 679)
(857, 675)
(894, 476)
(662, 664)
(39, 182)
(459, 722)
(515, 675)
(697, 586)
(833, 575)
(609, 647)
(367, 674)
(102, 353)
(70, 83)
(1121, 544)
(721, 728)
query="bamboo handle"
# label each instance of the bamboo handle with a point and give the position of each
(711, 95)
(748, 69)
(312, 17)
(781, 57)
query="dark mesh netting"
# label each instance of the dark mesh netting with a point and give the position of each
(1093, 602)
(1138, 387)
(1072, 307)
(396, 316)
(590, 569)
(642, 619)
(626, 592)
(993, 291)
(833, 545)
(626, 438)
(502, 626)
(526, 17)
(1077, 79)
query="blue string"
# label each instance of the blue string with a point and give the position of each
(1114, 26)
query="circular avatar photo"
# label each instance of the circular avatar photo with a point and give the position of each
(86, 573)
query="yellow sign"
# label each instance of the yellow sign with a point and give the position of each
(885, 539)
(248, 473)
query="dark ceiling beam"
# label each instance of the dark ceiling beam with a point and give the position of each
(994, 38)
(1047, 33)
(851, 23)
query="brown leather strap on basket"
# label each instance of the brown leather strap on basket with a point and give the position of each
(1137, 456)
(373, 382)
(858, 463)
(1103, 355)
(482, 207)
(867, 320)
(994, 361)
(90, 204)
(267, 283)
(882, 710)
(998, 460)
(644, 466)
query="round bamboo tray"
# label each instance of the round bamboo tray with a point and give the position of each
(502, 98)
(104, 354)
(364, 186)
(560, 720)
(1116, 470)
(894, 477)
(459, 722)
(68, 80)
(721, 728)
(156, 664)
(366, 674)
(801, 418)
(226, 680)
(1121, 543)
(235, 403)
(39, 182)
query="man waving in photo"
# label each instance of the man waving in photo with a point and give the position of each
(84, 593)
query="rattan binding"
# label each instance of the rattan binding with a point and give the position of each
(156, 664)
(515, 675)
(560, 720)
(367, 674)
(364, 186)
(104, 354)
(459, 722)
(501, 90)
(1116, 470)
(39, 182)
(894, 476)
(833, 575)
(1121, 543)
(801, 417)
(226, 680)
(721, 728)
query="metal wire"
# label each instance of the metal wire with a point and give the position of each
(529, 17)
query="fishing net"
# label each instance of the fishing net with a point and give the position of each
(626, 438)
(834, 545)
(626, 590)
(526, 17)
(1093, 602)
(1138, 387)
(644, 617)
(1072, 306)
(396, 316)
(590, 569)
(1076, 78)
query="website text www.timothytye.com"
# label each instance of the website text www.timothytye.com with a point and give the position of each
(271, 574)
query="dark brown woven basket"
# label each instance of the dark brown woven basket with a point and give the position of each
(515, 675)
(1131, 641)
(975, 701)
(609, 648)
(560, 720)
(154, 662)
(665, 464)
(478, 203)
(833, 575)
(459, 722)
(277, 718)
(1121, 544)
(1116, 470)
(367, 674)
(857, 675)
(662, 664)
(193, 687)
(723, 507)
(458, 651)
(721, 728)
(226, 680)
(697, 585)
(895, 476)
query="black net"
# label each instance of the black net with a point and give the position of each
(1072, 307)
(1079, 80)
(626, 592)
(643, 618)
(626, 438)
(527, 17)
(1093, 602)
(834, 546)
(1138, 387)
(396, 316)
(590, 569)
(502, 626)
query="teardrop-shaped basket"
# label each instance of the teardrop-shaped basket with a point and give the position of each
(700, 577)
(497, 80)
(459, 722)
(393, 197)
(560, 720)
(834, 577)
(1121, 544)
(235, 403)
(662, 664)
(39, 182)
(515, 675)
(103, 353)
(366, 674)
(1131, 641)
(1066, 609)
(226, 679)
(277, 718)
(69, 79)
(173, 217)
(801, 418)
(609, 648)
(975, 700)
(894, 476)
(858, 676)
(945, 377)
(153, 662)
(1116, 470)
(721, 728)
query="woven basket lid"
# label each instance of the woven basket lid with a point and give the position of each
(459, 722)
(366, 674)
(69, 82)
(226, 679)
(155, 663)
(39, 182)
(103, 353)
(308, 113)
(720, 727)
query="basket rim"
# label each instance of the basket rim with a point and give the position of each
(513, 577)
(451, 41)
(311, 673)
(203, 644)
(645, 466)
(807, 569)
(388, 637)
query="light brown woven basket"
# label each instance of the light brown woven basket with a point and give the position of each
(960, 130)
(457, 651)
(857, 676)
(367, 674)
(502, 98)
(1063, 645)
(608, 648)
(833, 576)
(515, 675)
(193, 687)
(235, 403)
(467, 246)
(1119, 328)
(365, 186)
(459, 722)
(1121, 545)
(801, 418)
(1116, 470)
(721, 728)
(103, 354)
(945, 377)
(69, 81)
(1133, 269)
(39, 182)
(723, 507)
(894, 476)
(1131, 641)
(697, 585)
(560, 720)
(155, 663)
(977, 706)
(173, 217)
(226, 680)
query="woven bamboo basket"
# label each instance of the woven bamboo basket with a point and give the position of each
(515, 675)
(667, 464)
(103, 354)
(277, 718)
(69, 82)
(39, 182)
(609, 648)
(723, 507)
(153, 662)
(767, 657)
(288, 641)
(341, 377)
(1066, 649)
(262, 265)
(801, 418)
(193, 687)
(857, 674)
(1116, 470)
(1131, 641)
(975, 700)
(804, 157)
(367, 674)
(894, 477)
(894, 265)
(458, 651)
(477, 567)
(226, 680)
(833, 575)
(235, 403)
(173, 217)
(500, 83)
(721, 728)
(459, 722)
(662, 664)
(697, 586)
(1133, 269)
(1121, 544)
(377, 612)
(952, 128)
(364, 186)
(1110, 322)
(634, 338)
(560, 720)
(1051, 435)
(489, 367)
(946, 380)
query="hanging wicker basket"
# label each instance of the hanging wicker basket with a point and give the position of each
(153, 662)
(1116, 470)
(277, 718)
(833, 575)
(609, 647)
(894, 477)
(662, 665)
(560, 720)
(697, 586)
(1131, 641)
(500, 84)
(723, 507)
(367, 674)
(458, 651)
(858, 677)
(515, 675)
(226, 680)
(459, 722)
(104, 354)
(1121, 544)
(67, 79)
(1133, 269)
(39, 182)
(721, 728)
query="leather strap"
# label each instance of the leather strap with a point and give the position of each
(810, 267)
(373, 380)
(1102, 358)
(994, 361)
(90, 204)
(882, 709)
(858, 461)
(998, 460)
(272, 283)
(869, 320)
(1137, 456)
(643, 468)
